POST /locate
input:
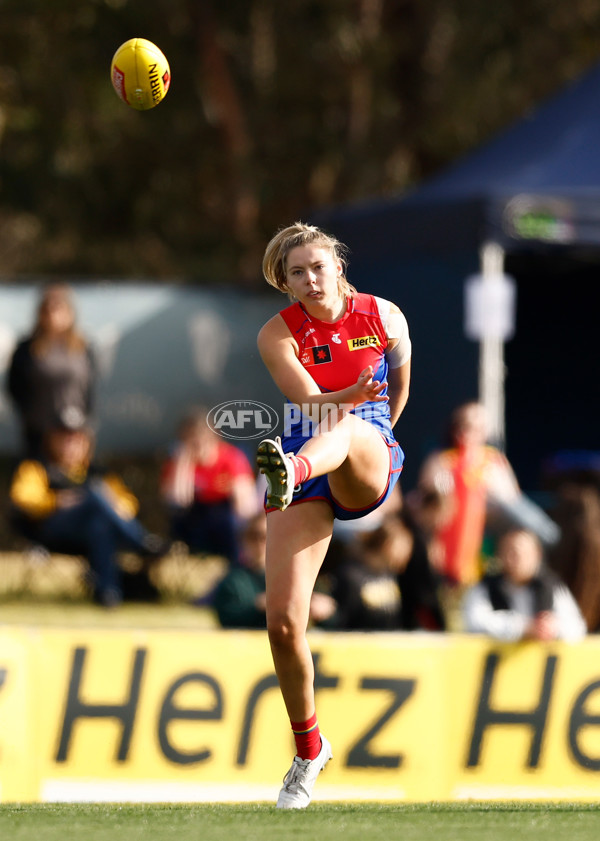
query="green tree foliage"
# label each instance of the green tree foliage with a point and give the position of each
(276, 107)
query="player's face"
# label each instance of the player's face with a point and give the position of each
(312, 274)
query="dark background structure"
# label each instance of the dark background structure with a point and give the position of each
(534, 190)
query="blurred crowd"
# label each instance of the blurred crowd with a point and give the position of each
(465, 550)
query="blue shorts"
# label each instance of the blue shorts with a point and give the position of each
(318, 488)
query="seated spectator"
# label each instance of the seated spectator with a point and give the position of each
(386, 583)
(67, 504)
(525, 600)
(419, 582)
(239, 598)
(576, 557)
(209, 488)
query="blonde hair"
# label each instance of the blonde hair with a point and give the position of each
(296, 235)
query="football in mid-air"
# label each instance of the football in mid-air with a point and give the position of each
(140, 73)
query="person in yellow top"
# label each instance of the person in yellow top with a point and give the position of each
(67, 504)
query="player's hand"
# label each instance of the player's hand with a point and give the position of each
(370, 389)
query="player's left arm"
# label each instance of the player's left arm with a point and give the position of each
(398, 354)
(398, 387)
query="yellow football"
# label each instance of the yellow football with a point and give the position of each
(140, 73)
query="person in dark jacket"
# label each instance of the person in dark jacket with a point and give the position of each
(386, 583)
(51, 375)
(239, 599)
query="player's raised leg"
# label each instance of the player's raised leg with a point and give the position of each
(344, 446)
(353, 454)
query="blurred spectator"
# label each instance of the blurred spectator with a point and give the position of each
(525, 600)
(465, 475)
(346, 533)
(67, 504)
(51, 375)
(576, 557)
(386, 582)
(428, 510)
(419, 581)
(239, 599)
(209, 488)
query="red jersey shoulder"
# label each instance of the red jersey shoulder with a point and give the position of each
(365, 304)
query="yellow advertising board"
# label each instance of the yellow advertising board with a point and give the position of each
(135, 715)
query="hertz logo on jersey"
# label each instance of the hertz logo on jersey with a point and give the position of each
(363, 342)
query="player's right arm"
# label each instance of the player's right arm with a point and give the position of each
(279, 351)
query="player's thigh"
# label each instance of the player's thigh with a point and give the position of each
(297, 540)
(363, 476)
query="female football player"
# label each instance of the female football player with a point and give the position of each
(342, 360)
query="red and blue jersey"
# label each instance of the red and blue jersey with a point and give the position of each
(334, 354)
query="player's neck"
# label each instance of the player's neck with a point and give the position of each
(327, 310)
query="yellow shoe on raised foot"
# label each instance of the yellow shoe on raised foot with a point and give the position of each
(300, 780)
(279, 473)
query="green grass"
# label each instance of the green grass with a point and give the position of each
(322, 822)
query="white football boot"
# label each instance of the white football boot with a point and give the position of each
(300, 780)
(279, 473)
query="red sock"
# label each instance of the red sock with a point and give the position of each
(302, 469)
(307, 737)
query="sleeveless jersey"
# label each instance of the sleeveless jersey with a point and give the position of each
(334, 354)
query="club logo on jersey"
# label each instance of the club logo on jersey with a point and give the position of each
(363, 342)
(316, 355)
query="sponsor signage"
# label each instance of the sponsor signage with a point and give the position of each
(160, 715)
(362, 342)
